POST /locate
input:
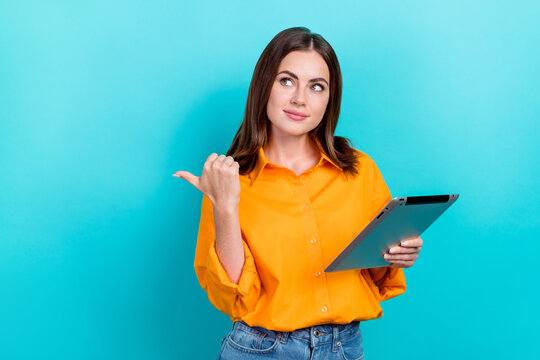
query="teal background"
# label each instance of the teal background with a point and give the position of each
(101, 102)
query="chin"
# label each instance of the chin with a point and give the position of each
(294, 131)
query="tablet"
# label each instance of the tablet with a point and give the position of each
(401, 218)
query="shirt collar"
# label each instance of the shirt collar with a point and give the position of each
(262, 161)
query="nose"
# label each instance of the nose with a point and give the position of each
(298, 97)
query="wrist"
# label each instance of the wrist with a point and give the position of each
(225, 209)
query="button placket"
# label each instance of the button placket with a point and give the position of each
(314, 250)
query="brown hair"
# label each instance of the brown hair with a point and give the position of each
(253, 132)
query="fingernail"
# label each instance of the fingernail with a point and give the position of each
(392, 250)
(386, 256)
(404, 243)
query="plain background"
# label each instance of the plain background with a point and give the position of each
(101, 102)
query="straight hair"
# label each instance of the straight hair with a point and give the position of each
(253, 132)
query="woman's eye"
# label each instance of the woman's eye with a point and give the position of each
(283, 80)
(316, 87)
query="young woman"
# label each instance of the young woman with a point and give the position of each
(287, 198)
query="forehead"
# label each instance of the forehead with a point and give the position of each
(305, 63)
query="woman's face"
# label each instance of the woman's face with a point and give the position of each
(301, 86)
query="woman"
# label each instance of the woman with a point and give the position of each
(287, 198)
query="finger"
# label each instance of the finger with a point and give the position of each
(402, 250)
(400, 265)
(219, 161)
(209, 161)
(212, 156)
(414, 242)
(189, 177)
(406, 257)
(229, 160)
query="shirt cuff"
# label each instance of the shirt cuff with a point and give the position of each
(377, 274)
(220, 277)
(390, 281)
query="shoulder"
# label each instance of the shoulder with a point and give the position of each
(371, 177)
(364, 160)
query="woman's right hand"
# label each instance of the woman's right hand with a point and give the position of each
(219, 181)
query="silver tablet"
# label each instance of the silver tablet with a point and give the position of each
(401, 218)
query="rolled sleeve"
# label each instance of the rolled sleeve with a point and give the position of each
(220, 278)
(233, 299)
(389, 281)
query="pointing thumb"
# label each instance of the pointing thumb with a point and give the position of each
(189, 177)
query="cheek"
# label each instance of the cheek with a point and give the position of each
(276, 98)
(319, 104)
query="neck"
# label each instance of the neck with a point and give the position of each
(289, 150)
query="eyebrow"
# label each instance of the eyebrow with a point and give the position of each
(296, 77)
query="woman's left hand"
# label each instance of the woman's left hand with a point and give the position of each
(405, 254)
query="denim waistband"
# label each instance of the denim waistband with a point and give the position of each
(317, 334)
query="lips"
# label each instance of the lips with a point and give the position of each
(295, 115)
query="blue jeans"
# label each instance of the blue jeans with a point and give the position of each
(320, 342)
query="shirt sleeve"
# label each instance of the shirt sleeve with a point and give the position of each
(389, 281)
(233, 299)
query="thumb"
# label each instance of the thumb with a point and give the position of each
(189, 177)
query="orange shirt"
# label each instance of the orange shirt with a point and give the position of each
(292, 228)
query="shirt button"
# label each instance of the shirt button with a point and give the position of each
(307, 207)
(324, 309)
(313, 240)
(318, 273)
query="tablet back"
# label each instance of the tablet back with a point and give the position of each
(401, 218)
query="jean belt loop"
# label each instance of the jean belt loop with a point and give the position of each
(283, 335)
(335, 336)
